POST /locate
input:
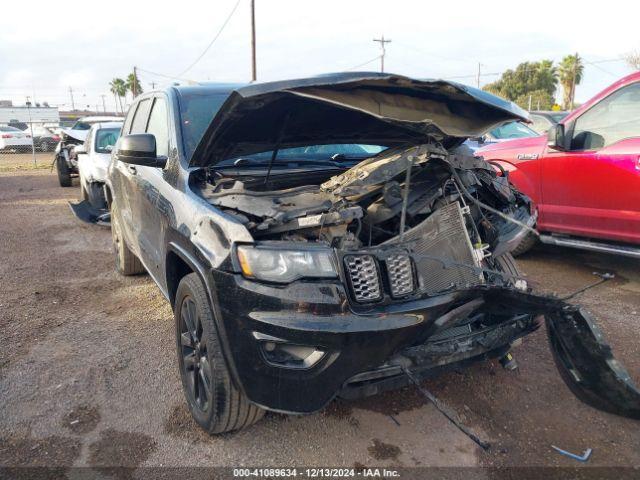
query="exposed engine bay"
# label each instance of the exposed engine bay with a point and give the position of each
(449, 212)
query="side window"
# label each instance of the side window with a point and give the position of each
(158, 126)
(126, 126)
(141, 116)
(540, 124)
(612, 119)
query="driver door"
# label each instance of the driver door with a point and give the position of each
(593, 188)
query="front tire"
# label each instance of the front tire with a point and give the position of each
(526, 244)
(95, 195)
(508, 265)
(126, 262)
(214, 401)
(64, 174)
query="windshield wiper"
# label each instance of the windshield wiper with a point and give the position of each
(253, 163)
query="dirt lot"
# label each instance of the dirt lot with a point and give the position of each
(88, 375)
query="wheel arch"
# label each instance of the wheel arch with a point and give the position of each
(177, 266)
(181, 260)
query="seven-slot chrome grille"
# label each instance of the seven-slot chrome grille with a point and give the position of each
(363, 276)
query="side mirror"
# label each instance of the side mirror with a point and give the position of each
(555, 137)
(80, 149)
(139, 149)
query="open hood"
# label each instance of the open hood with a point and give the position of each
(80, 135)
(369, 108)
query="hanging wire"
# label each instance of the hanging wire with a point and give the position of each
(233, 10)
(363, 64)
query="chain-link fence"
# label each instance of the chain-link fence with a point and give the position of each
(28, 136)
(30, 133)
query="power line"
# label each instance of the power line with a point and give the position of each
(212, 41)
(595, 64)
(163, 75)
(424, 52)
(475, 75)
(363, 64)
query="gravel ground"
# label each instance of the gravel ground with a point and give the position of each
(88, 375)
(10, 161)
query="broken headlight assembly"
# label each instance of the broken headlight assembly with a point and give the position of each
(285, 265)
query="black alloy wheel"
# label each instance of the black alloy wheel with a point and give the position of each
(195, 363)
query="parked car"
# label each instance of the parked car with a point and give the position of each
(66, 160)
(12, 139)
(508, 131)
(81, 127)
(328, 237)
(94, 157)
(543, 120)
(43, 138)
(584, 176)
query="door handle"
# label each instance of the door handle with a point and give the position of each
(638, 163)
(132, 169)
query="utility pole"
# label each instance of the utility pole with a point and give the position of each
(104, 104)
(478, 79)
(573, 81)
(73, 105)
(254, 74)
(384, 51)
(33, 145)
(153, 85)
(135, 82)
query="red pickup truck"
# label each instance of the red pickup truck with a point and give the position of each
(584, 176)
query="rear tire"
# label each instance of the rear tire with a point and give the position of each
(126, 262)
(526, 244)
(214, 401)
(64, 174)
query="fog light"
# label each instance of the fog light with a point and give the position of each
(291, 356)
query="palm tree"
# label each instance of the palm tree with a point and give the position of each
(119, 90)
(133, 85)
(571, 69)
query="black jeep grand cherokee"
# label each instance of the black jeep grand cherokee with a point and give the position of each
(329, 237)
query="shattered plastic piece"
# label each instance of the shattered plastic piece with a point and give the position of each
(585, 456)
(88, 214)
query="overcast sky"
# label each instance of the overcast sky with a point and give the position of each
(46, 47)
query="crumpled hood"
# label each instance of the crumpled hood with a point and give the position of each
(80, 135)
(372, 108)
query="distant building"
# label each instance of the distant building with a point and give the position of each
(45, 116)
(6, 103)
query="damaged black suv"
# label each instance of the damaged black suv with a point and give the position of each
(328, 237)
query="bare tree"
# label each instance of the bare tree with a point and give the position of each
(633, 59)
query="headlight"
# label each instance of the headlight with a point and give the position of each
(284, 265)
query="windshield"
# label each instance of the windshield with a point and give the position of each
(337, 153)
(79, 125)
(197, 109)
(512, 130)
(9, 129)
(106, 138)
